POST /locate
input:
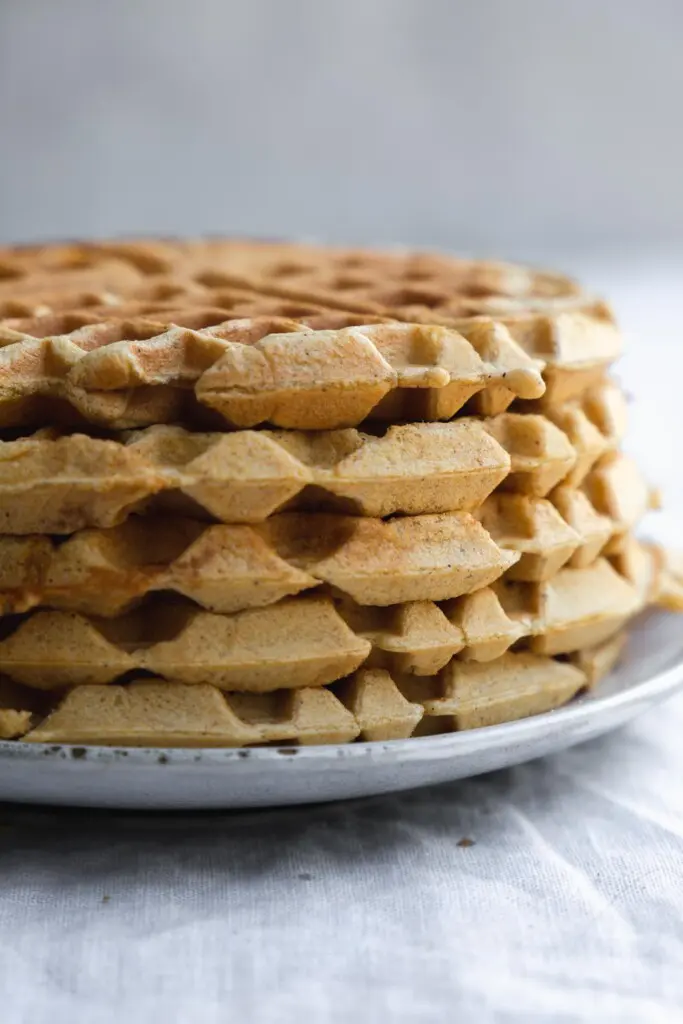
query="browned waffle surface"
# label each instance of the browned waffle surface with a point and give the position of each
(369, 705)
(52, 483)
(559, 616)
(310, 640)
(128, 334)
(228, 568)
(296, 642)
(129, 373)
(466, 286)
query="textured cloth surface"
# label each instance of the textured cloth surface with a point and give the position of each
(563, 903)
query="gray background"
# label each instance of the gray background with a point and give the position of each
(519, 127)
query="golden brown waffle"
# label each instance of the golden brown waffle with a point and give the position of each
(594, 529)
(129, 373)
(229, 568)
(58, 484)
(572, 334)
(559, 616)
(172, 303)
(370, 705)
(649, 568)
(540, 454)
(149, 713)
(473, 286)
(544, 540)
(463, 696)
(290, 319)
(297, 642)
(175, 304)
(53, 484)
(307, 641)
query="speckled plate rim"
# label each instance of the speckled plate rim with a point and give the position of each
(608, 701)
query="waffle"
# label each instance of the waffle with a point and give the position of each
(296, 642)
(270, 268)
(565, 614)
(370, 705)
(544, 540)
(311, 338)
(577, 608)
(540, 454)
(309, 640)
(616, 488)
(550, 317)
(123, 373)
(471, 695)
(58, 484)
(53, 484)
(34, 290)
(463, 696)
(571, 333)
(149, 713)
(650, 569)
(220, 307)
(228, 568)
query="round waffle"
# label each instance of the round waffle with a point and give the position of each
(128, 335)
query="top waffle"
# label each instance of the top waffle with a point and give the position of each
(129, 335)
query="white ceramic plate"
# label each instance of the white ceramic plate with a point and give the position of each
(651, 670)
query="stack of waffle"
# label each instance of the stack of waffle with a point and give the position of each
(264, 493)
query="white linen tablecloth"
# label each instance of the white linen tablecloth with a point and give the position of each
(567, 906)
